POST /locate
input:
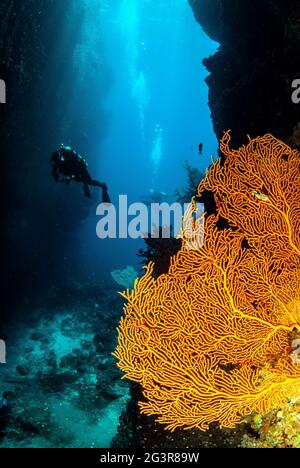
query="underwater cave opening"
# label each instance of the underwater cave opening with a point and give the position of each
(131, 96)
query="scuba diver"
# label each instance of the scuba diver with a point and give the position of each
(67, 165)
(201, 149)
(155, 197)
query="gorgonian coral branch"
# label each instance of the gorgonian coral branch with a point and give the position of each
(211, 339)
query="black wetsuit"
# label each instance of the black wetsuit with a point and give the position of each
(67, 165)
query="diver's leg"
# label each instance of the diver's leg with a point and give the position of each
(95, 183)
(104, 188)
(87, 191)
(86, 178)
(105, 194)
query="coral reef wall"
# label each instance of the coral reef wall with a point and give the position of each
(251, 75)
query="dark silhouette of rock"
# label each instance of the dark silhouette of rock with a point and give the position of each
(251, 75)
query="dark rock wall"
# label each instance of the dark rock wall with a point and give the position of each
(251, 75)
(37, 39)
(25, 53)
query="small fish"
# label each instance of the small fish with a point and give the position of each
(260, 196)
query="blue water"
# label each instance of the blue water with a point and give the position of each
(156, 106)
(125, 78)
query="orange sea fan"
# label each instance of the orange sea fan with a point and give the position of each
(211, 339)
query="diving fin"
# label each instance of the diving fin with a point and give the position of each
(105, 194)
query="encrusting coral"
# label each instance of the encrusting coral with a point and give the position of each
(278, 429)
(212, 340)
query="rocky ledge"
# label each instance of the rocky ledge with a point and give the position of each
(251, 75)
